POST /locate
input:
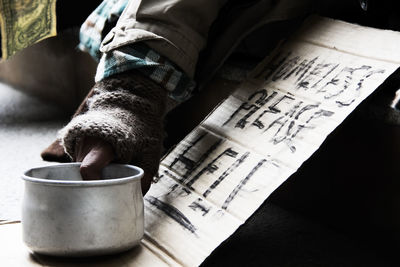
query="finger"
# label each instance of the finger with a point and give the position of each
(149, 172)
(149, 162)
(98, 157)
(81, 150)
(148, 175)
(84, 145)
(146, 182)
(55, 152)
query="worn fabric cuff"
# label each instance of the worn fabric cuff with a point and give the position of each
(156, 67)
(105, 124)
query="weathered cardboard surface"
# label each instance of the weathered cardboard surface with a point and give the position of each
(228, 166)
(215, 178)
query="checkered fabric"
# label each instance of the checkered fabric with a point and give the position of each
(135, 56)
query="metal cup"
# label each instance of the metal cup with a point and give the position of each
(62, 215)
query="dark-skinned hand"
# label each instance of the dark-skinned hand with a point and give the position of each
(121, 121)
(95, 154)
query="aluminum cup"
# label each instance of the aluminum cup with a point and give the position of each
(62, 215)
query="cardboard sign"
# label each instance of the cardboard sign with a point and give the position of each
(252, 142)
(215, 178)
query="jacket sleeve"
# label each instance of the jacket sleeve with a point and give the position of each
(177, 29)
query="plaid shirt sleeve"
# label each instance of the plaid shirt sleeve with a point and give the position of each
(136, 56)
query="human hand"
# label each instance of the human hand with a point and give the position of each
(124, 116)
(95, 154)
(147, 157)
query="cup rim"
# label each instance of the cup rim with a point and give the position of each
(84, 183)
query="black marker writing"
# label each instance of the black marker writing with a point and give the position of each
(235, 191)
(197, 205)
(171, 212)
(189, 164)
(330, 79)
(211, 167)
(226, 173)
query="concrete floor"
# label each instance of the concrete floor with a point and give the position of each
(27, 125)
(52, 77)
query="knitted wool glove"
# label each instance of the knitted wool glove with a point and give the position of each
(55, 151)
(127, 111)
